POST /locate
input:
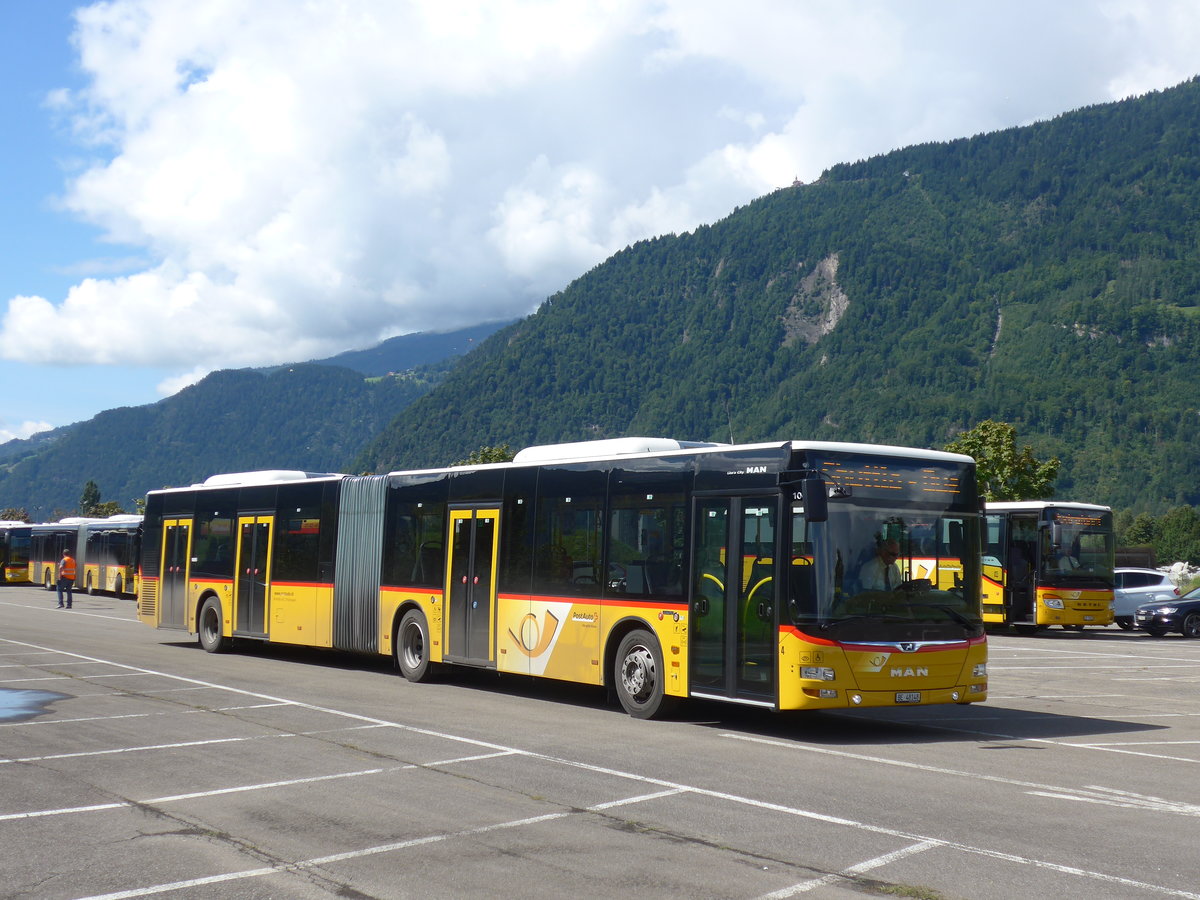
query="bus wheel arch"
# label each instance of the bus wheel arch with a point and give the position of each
(411, 644)
(638, 674)
(209, 625)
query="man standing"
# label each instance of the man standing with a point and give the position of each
(66, 577)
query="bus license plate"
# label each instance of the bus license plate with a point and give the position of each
(908, 696)
(1088, 618)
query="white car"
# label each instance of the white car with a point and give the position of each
(1137, 586)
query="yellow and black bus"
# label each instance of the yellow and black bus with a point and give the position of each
(14, 551)
(658, 568)
(1048, 563)
(106, 553)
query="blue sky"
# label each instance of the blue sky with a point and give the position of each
(186, 187)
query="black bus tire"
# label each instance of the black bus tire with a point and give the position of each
(208, 627)
(411, 647)
(91, 588)
(639, 676)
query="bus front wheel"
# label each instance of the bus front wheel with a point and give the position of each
(638, 676)
(209, 627)
(91, 587)
(412, 647)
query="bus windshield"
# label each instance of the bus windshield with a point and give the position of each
(878, 573)
(1076, 548)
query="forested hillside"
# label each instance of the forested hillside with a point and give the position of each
(1047, 276)
(309, 417)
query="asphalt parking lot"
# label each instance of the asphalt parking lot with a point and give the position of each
(133, 764)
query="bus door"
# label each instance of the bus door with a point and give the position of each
(471, 584)
(1020, 569)
(252, 574)
(732, 627)
(173, 580)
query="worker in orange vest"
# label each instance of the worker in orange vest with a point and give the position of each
(66, 577)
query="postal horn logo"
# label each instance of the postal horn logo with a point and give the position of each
(534, 638)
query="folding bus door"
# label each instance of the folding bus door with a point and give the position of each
(253, 576)
(173, 575)
(472, 584)
(732, 631)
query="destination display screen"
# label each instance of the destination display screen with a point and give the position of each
(945, 484)
(1080, 521)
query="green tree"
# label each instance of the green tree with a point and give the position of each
(497, 454)
(1002, 471)
(1142, 531)
(1178, 536)
(89, 499)
(106, 509)
(15, 514)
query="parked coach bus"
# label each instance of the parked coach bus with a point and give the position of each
(658, 568)
(106, 553)
(14, 551)
(1048, 563)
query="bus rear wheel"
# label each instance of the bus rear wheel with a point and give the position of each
(208, 627)
(91, 587)
(638, 676)
(412, 648)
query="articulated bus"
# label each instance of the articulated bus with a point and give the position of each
(106, 553)
(656, 568)
(1048, 563)
(14, 551)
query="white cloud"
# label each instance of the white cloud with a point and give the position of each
(306, 178)
(169, 386)
(23, 430)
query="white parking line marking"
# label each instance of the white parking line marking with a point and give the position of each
(1035, 787)
(612, 804)
(644, 779)
(806, 886)
(313, 779)
(1122, 799)
(321, 860)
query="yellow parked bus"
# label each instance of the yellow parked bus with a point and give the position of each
(657, 568)
(14, 551)
(1048, 563)
(106, 553)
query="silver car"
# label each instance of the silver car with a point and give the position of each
(1137, 586)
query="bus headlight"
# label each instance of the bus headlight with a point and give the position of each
(980, 670)
(817, 673)
(1053, 602)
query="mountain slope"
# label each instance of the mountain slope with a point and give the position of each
(410, 351)
(309, 417)
(1046, 276)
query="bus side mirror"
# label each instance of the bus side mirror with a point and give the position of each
(816, 502)
(1056, 534)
